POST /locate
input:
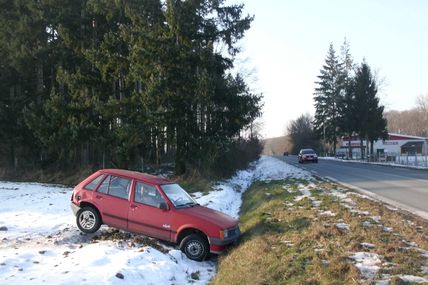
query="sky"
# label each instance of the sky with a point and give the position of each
(286, 46)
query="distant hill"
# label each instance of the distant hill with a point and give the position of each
(276, 146)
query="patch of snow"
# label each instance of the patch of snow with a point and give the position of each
(287, 242)
(367, 245)
(423, 252)
(306, 193)
(376, 219)
(41, 243)
(412, 279)
(227, 196)
(409, 243)
(385, 281)
(338, 194)
(34, 209)
(269, 168)
(391, 208)
(342, 226)
(326, 213)
(366, 263)
(299, 198)
(387, 229)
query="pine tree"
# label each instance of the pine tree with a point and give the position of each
(371, 125)
(327, 96)
(346, 105)
(25, 54)
(123, 82)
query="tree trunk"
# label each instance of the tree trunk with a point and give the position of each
(180, 164)
(349, 147)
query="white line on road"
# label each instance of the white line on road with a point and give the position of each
(398, 205)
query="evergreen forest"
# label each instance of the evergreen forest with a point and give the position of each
(125, 84)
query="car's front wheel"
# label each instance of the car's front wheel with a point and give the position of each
(88, 220)
(195, 247)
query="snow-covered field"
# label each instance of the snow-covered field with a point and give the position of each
(41, 243)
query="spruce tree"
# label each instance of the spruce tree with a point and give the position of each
(371, 125)
(346, 105)
(327, 96)
(123, 81)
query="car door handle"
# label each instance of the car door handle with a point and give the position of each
(98, 196)
(133, 206)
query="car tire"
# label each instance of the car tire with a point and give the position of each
(88, 220)
(195, 247)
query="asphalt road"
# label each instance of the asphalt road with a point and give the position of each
(402, 187)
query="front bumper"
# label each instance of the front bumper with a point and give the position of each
(218, 245)
(75, 208)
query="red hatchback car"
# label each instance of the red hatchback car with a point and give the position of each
(152, 206)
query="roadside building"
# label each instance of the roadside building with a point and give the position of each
(396, 145)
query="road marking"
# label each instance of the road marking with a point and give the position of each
(398, 205)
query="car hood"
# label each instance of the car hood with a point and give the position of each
(210, 215)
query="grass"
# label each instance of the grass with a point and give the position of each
(286, 241)
(194, 183)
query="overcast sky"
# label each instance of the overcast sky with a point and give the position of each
(289, 39)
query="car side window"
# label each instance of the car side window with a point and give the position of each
(116, 186)
(119, 187)
(147, 194)
(94, 183)
(104, 186)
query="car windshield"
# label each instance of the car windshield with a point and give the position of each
(178, 196)
(308, 151)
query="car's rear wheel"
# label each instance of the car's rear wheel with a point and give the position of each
(88, 220)
(195, 247)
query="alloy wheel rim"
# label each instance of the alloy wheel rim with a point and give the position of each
(87, 220)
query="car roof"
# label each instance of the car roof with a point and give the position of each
(136, 175)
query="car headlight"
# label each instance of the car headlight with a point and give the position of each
(224, 234)
(227, 233)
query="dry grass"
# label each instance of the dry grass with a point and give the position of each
(69, 177)
(194, 183)
(290, 242)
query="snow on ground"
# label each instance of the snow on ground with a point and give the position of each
(367, 263)
(41, 243)
(227, 195)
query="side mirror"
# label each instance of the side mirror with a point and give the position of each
(163, 206)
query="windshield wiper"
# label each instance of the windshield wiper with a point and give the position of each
(188, 204)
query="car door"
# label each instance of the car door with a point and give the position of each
(112, 198)
(145, 216)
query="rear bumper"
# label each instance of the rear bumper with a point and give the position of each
(75, 208)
